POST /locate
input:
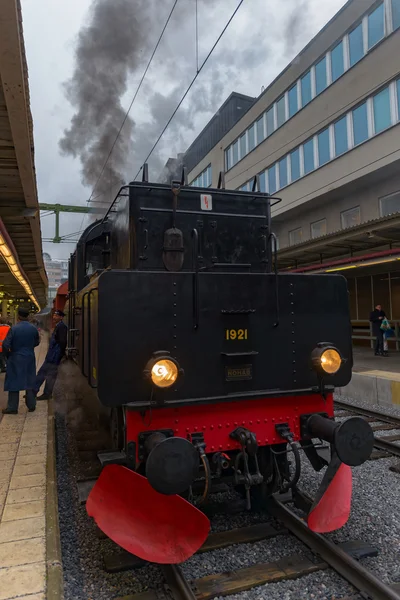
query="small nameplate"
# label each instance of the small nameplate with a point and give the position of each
(240, 373)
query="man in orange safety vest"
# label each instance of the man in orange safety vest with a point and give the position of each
(4, 329)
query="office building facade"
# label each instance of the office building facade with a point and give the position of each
(324, 137)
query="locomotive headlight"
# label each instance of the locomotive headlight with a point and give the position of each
(162, 370)
(331, 361)
(164, 373)
(326, 359)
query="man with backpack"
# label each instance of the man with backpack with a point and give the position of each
(376, 317)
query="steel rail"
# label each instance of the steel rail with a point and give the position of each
(346, 566)
(366, 412)
(177, 582)
(386, 446)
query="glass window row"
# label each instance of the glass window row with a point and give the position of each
(351, 217)
(374, 115)
(345, 54)
(204, 179)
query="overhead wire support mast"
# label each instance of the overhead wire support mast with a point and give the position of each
(190, 85)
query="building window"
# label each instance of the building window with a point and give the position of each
(341, 142)
(398, 97)
(320, 76)
(281, 111)
(209, 175)
(382, 118)
(272, 180)
(390, 204)
(351, 217)
(337, 61)
(324, 154)
(270, 121)
(263, 186)
(252, 137)
(260, 130)
(356, 45)
(295, 236)
(306, 89)
(242, 145)
(295, 164)
(308, 150)
(283, 179)
(228, 160)
(318, 228)
(204, 179)
(293, 103)
(376, 26)
(396, 13)
(360, 124)
(235, 152)
(244, 188)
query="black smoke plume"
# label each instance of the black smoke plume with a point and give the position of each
(108, 50)
(113, 47)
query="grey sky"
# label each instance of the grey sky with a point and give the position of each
(264, 36)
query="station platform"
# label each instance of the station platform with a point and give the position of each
(28, 507)
(375, 380)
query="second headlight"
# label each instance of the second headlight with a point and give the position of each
(326, 359)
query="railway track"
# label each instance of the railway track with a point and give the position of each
(385, 443)
(325, 555)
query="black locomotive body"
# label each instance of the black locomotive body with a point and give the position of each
(208, 360)
(212, 302)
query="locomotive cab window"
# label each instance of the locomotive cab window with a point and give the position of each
(96, 257)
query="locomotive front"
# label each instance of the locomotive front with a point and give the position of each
(216, 368)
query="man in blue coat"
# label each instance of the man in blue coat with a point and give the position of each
(57, 346)
(19, 347)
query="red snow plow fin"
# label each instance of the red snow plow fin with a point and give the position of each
(157, 528)
(332, 510)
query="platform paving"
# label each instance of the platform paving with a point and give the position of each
(365, 360)
(23, 459)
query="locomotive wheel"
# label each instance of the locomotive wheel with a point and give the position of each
(117, 428)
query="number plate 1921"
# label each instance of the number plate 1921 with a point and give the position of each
(236, 334)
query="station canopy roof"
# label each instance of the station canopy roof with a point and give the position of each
(22, 272)
(377, 240)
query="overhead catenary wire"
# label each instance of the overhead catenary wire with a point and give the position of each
(190, 85)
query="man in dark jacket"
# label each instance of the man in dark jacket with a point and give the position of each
(57, 346)
(19, 347)
(376, 318)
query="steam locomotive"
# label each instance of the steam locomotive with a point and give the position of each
(211, 366)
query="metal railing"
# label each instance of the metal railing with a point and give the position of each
(362, 330)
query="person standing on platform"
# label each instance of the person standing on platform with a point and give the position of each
(19, 348)
(376, 317)
(4, 329)
(48, 371)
